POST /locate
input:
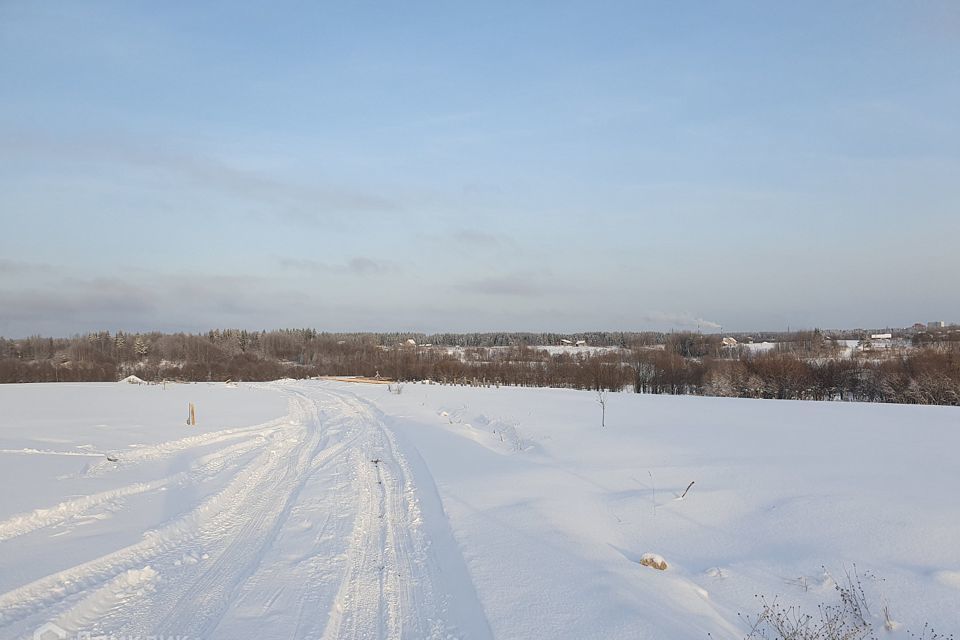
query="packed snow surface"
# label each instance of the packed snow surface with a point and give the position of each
(322, 509)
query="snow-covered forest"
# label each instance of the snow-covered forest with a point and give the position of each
(914, 367)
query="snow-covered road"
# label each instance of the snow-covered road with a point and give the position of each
(314, 529)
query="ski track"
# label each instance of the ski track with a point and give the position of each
(316, 533)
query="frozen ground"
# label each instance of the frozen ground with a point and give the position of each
(335, 510)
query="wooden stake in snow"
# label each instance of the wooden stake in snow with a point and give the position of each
(687, 489)
(192, 415)
(653, 493)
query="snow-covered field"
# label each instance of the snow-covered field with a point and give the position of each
(326, 509)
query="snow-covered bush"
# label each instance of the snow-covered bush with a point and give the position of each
(848, 619)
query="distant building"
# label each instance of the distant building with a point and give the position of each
(939, 324)
(564, 341)
(919, 326)
(581, 343)
(729, 341)
(881, 336)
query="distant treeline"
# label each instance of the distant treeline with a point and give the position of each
(921, 368)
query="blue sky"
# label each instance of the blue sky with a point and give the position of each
(478, 166)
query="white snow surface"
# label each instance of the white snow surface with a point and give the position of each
(322, 509)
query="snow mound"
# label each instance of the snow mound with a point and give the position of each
(493, 433)
(948, 578)
(133, 380)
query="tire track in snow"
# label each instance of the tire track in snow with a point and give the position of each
(152, 453)
(47, 452)
(198, 596)
(294, 584)
(392, 586)
(205, 467)
(187, 576)
(48, 594)
(205, 602)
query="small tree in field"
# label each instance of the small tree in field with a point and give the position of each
(602, 401)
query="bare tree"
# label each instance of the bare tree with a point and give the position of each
(602, 400)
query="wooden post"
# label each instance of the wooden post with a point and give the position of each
(192, 418)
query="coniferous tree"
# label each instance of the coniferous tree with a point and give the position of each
(140, 347)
